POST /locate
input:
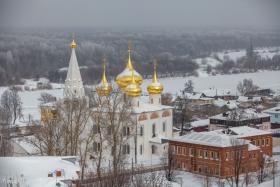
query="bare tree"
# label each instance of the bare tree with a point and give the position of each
(189, 87)
(246, 86)
(238, 161)
(46, 98)
(10, 111)
(168, 161)
(64, 133)
(12, 105)
(166, 99)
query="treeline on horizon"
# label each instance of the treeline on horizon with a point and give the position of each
(43, 53)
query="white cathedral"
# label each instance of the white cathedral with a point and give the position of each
(154, 121)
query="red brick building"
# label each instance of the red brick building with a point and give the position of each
(214, 153)
(257, 137)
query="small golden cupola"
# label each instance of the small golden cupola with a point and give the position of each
(133, 89)
(104, 88)
(155, 87)
(125, 78)
(73, 44)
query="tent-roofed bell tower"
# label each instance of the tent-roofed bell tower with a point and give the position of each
(73, 84)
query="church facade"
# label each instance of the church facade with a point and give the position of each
(153, 122)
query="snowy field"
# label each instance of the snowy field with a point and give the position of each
(264, 79)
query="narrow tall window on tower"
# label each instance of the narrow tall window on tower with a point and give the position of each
(141, 130)
(154, 130)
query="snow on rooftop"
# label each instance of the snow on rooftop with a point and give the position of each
(208, 138)
(200, 123)
(230, 104)
(147, 107)
(275, 110)
(245, 131)
(34, 170)
(241, 114)
(212, 92)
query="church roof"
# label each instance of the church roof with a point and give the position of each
(73, 83)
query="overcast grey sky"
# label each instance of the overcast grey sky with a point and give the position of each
(131, 13)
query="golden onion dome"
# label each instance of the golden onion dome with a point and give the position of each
(73, 44)
(133, 89)
(104, 88)
(125, 78)
(155, 87)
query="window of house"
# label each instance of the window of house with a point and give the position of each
(267, 141)
(184, 151)
(191, 152)
(227, 155)
(206, 154)
(212, 155)
(154, 130)
(96, 146)
(263, 143)
(276, 115)
(126, 149)
(95, 129)
(163, 126)
(109, 130)
(141, 130)
(217, 171)
(258, 142)
(179, 151)
(141, 149)
(126, 131)
(153, 149)
(200, 153)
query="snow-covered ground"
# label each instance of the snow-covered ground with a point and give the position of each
(264, 79)
(35, 171)
(266, 52)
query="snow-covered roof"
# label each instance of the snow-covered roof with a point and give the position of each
(275, 110)
(158, 139)
(240, 115)
(209, 139)
(147, 107)
(33, 171)
(193, 95)
(244, 131)
(212, 92)
(248, 99)
(200, 123)
(229, 104)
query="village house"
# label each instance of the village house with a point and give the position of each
(235, 118)
(199, 99)
(274, 117)
(219, 94)
(259, 138)
(213, 154)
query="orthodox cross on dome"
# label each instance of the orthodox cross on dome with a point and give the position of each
(129, 61)
(155, 71)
